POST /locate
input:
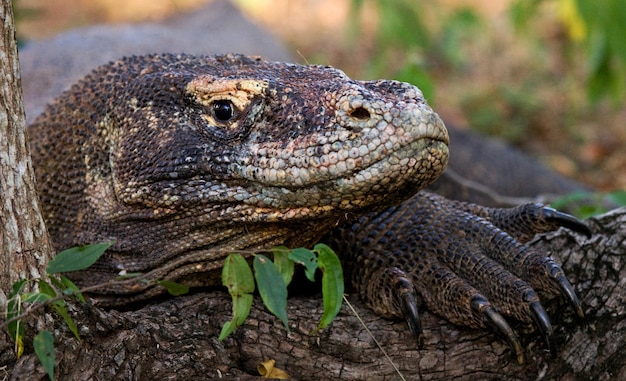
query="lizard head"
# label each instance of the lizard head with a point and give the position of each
(271, 139)
(175, 157)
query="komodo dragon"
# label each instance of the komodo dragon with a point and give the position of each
(180, 159)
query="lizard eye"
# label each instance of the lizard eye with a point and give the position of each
(223, 110)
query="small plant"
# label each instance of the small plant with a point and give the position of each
(51, 292)
(272, 279)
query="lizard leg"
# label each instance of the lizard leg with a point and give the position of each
(428, 233)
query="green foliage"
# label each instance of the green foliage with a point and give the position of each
(272, 287)
(53, 293)
(306, 258)
(237, 277)
(273, 278)
(588, 204)
(605, 43)
(284, 265)
(597, 29)
(332, 283)
(43, 344)
(407, 46)
(14, 309)
(618, 197)
(173, 288)
(76, 258)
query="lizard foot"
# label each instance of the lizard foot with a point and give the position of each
(464, 262)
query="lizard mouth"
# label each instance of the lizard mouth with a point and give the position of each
(381, 141)
(355, 178)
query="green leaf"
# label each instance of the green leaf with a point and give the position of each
(237, 277)
(44, 349)
(76, 258)
(18, 287)
(272, 287)
(56, 282)
(72, 289)
(59, 307)
(307, 258)
(14, 308)
(174, 288)
(284, 265)
(35, 297)
(332, 283)
(241, 309)
(46, 288)
(522, 11)
(19, 338)
(228, 328)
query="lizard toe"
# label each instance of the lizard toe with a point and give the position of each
(525, 221)
(389, 292)
(542, 321)
(565, 220)
(499, 325)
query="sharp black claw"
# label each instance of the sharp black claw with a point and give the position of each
(409, 305)
(499, 325)
(409, 309)
(542, 321)
(567, 221)
(567, 290)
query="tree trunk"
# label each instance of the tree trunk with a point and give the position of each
(176, 338)
(24, 247)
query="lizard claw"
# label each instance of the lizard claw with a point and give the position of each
(540, 317)
(566, 220)
(408, 306)
(498, 324)
(567, 290)
(393, 294)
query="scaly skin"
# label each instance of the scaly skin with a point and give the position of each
(181, 159)
(137, 154)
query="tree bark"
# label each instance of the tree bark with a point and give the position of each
(176, 338)
(24, 246)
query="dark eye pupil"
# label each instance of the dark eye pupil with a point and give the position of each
(223, 110)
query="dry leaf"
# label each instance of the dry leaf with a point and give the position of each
(268, 370)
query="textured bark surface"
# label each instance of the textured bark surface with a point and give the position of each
(177, 338)
(24, 248)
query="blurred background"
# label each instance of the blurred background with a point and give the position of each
(546, 76)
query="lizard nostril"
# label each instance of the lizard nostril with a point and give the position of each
(360, 113)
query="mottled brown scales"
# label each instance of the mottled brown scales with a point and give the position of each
(179, 159)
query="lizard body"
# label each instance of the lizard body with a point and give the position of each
(179, 159)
